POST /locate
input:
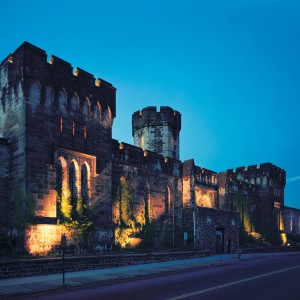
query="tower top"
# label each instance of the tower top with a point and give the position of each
(157, 131)
(150, 116)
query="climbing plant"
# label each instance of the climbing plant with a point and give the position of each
(239, 203)
(76, 222)
(25, 207)
(128, 222)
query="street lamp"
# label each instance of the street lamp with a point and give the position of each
(63, 244)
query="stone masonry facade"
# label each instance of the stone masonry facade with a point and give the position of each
(56, 132)
(212, 229)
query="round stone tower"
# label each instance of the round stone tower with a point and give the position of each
(157, 131)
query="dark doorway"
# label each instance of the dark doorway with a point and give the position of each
(229, 246)
(219, 240)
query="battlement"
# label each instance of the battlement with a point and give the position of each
(264, 167)
(61, 64)
(205, 176)
(30, 63)
(150, 116)
(201, 175)
(124, 153)
(257, 174)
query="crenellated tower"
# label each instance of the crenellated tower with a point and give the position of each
(262, 187)
(157, 131)
(57, 122)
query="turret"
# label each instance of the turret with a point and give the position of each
(157, 131)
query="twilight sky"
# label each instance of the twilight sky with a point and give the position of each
(232, 68)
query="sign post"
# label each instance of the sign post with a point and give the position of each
(63, 244)
(185, 236)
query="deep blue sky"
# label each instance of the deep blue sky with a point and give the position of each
(232, 68)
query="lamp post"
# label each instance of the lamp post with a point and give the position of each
(63, 244)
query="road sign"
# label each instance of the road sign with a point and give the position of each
(185, 235)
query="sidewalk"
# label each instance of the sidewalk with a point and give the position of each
(33, 284)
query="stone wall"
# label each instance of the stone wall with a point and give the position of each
(12, 125)
(199, 186)
(153, 178)
(207, 223)
(45, 107)
(292, 223)
(4, 182)
(263, 189)
(31, 267)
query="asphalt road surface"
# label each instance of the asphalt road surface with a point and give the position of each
(276, 278)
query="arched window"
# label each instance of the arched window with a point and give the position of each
(59, 178)
(98, 112)
(72, 185)
(74, 103)
(86, 107)
(61, 181)
(85, 183)
(62, 101)
(258, 181)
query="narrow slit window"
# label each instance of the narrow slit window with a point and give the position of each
(61, 124)
(73, 128)
(84, 132)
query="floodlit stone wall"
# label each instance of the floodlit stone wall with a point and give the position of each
(263, 188)
(48, 112)
(152, 177)
(56, 131)
(292, 222)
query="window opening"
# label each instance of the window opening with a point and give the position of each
(84, 132)
(61, 124)
(84, 184)
(73, 128)
(72, 186)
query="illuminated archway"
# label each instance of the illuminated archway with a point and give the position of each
(85, 183)
(61, 179)
(73, 183)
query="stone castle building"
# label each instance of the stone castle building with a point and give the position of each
(56, 132)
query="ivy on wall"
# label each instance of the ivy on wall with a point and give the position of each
(134, 225)
(271, 235)
(130, 223)
(76, 222)
(25, 207)
(240, 203)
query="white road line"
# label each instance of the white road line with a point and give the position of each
(231, 283)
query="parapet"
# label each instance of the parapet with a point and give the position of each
(201, 175)
(149, 116)
(264, 167)
(257, 173)
(30, 62)
(126, 154)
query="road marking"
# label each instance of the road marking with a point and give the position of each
(231, 283)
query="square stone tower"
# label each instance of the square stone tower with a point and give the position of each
(57, 123)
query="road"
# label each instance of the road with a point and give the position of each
(276, 278)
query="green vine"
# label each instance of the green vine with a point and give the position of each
(76, 222)
(25, 207)
(129, 223)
